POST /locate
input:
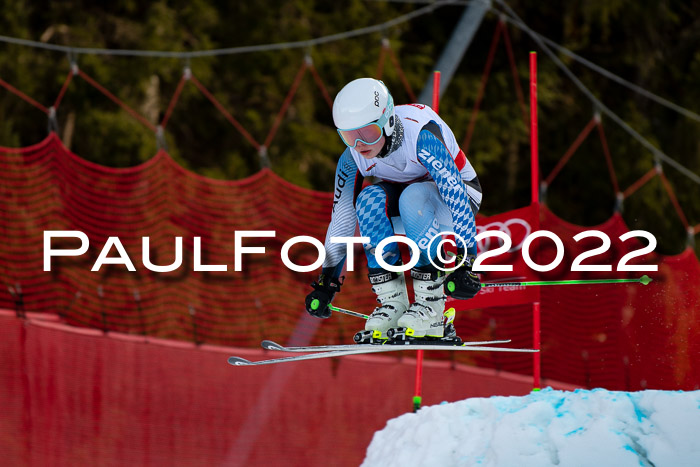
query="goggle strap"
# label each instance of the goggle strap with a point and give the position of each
(387, 112)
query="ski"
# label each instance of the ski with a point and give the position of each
(369, 349)
(270, 345)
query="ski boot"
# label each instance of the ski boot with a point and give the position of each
(425, 318)
(405, 336)
(392, 296)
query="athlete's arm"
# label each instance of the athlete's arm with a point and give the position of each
(343, 220)
(435, 157)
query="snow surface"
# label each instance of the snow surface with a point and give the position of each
(581, 428)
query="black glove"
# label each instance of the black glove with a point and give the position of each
(462, 283)
(317, 301)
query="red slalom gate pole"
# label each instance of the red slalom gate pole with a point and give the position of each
(534, 150)
(417, 398)
(535, 193)
(436, 91)
(536, 345)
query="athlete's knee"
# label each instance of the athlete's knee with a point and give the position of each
(412, 199)
(369, 194)
(370, 201)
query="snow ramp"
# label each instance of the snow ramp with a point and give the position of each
(547, 428)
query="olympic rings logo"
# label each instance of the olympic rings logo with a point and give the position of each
(484, 244)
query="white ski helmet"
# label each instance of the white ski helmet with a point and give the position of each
(362, 102)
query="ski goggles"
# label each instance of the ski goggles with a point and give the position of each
(370, 133)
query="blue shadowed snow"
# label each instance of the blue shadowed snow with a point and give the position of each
(547, 428)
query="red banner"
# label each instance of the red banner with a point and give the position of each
(74, 396)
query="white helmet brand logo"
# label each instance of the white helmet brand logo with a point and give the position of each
(376, 99)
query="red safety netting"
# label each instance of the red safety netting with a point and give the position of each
(604, 335)
(45, 187)
(76, 397)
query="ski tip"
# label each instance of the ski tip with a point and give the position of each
(238, 361)
(496, 342)
(501, 349)
(270, 345)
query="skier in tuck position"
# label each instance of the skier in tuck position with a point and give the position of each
(427, 185)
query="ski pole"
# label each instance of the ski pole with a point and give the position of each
(315, 304)
(644, 280)
(348, 312)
